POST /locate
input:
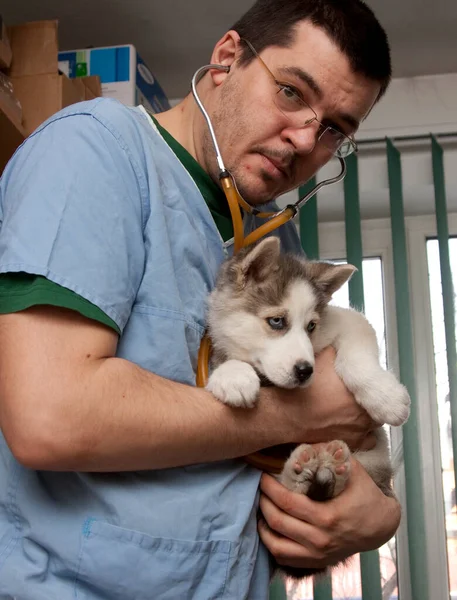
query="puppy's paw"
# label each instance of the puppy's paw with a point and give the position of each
(300, 469)
(385, 399)
(319, 471)
(235, 383)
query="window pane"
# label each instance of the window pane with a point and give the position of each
(442, 395)
(374, 300)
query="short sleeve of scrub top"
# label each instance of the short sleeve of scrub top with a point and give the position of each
(71, 210)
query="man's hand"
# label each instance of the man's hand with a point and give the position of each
(326, 410)
(300, 532)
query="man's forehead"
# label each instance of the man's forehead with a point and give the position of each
(313, 60)
(310, 49)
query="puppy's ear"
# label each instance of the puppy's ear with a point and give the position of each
(258, 262)
(328, 277)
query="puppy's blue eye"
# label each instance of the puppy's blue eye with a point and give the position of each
(311, 326)
(276, 322)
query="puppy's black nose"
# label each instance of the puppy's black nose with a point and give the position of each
(303, 371)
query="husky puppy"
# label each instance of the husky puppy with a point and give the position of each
(268, 317)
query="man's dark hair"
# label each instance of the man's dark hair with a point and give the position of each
(350, 24)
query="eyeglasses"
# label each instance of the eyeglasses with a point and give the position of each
(301, 114)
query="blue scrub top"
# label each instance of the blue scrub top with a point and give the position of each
(96, 201)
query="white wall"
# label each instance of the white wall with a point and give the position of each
(415, 105)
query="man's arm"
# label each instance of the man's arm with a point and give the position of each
(67, 403)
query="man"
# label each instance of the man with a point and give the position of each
(118, 476)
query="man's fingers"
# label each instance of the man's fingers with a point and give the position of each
(317, 541)
(288, 552)
(297, 505)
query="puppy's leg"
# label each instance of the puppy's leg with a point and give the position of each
(377, 462)
(235, 383)
(320, 472)
(357, 363)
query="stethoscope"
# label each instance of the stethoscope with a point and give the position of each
(275, 220)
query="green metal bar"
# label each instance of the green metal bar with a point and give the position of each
(309, 233)
(277, 590)
(323, 589)
(354, 253)
(309, 236)
(413, 474)
(371, 575)
(447, 287)
(369, 561)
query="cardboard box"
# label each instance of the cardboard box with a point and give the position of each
(12, 137)
(122, 72)
(37, 84)
(40, 88)
(35, 47)
(92, 86)
(41, 96)
(10, 104)
(12, 133)
(88, 87)
(5, 48)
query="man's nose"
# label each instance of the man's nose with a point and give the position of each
(304, 139)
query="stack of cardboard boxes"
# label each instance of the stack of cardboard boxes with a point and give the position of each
(34, 72)
(31, 87)
(36, 80)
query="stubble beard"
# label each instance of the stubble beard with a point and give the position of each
(229, 124)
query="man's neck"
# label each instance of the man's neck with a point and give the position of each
(186, 123)
(179, 121)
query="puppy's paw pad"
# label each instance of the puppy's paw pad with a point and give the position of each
(297, 467)
(336, 457)
(338, 450)
(300, 468)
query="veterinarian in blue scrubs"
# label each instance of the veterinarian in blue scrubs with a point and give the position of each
(119, 478)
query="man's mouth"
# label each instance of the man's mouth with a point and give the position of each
(275, 167)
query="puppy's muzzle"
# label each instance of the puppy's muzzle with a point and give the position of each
(303, 371)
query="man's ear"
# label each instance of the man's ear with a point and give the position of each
(327, 277)
(225, 52)
(256, 262)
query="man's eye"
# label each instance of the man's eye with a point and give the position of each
(335, 133)
(289, 93)
(276, 322)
